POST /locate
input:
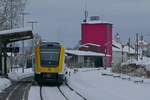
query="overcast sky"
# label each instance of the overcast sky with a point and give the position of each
(59, 20)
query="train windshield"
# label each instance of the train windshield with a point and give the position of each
(49, 57)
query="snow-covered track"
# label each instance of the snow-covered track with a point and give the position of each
(44, 92)
(80, 95)
(19, 90)
(62, 93)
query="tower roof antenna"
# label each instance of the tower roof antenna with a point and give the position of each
(85, 12)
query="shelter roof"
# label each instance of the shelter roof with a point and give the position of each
(16, 35)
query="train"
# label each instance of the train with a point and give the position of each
(49, 63)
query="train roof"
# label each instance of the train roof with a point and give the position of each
(50, 44)
(47, 43)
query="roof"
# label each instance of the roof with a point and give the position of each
(143, 42)
(97, 22)
(118, 47)
(16, 34)
(84, 53)
(91, 44)
(15, 30)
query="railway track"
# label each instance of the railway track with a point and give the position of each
(41, 96)
(42, 91)
(17, 91)
(64, 95)
(80, 95)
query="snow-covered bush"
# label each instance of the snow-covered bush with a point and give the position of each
(116, 68)
(140, 67)
(134, 68)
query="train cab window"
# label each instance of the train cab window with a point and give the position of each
(49, 57)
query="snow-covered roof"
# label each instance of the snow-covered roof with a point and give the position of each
(91, 44)
(97, 22)
(84, 53)
(143, 42)
(16, 30)
(118, 47)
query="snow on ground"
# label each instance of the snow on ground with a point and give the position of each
(94, 86)
(34, 93)
(48, 93)
(71, 95)
(17, 74)
(52, 93)
(4, 83)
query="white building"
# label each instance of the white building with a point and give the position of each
(78, 58)
(121, 53)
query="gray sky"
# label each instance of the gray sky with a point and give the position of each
(59, 20)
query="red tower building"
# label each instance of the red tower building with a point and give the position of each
(98, 32)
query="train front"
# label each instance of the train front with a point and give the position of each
(49, 60)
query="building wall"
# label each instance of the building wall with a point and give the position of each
(81, 60)
(84, 61)
(117, 57)
(99, 33)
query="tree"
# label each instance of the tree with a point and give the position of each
(10, 11)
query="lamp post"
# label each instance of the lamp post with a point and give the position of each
(137, 45)
(32, 24)
(105, 67)
(23, 14)
(105, 59)
(122, 60)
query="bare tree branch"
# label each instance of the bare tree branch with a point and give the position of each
(10, 11)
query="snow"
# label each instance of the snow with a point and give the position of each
(94, 86)
(70, 94)
(17, 74)
(16, 30)
(91, 84)
(84, 53)
(143, 42)
(48, 93)
(34, 93)
(145, 62)
(91, 44)
(4, 83)
(97, 22)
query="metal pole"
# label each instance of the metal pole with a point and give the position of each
(0, 59)
(11, 16)
(122, 52)
(23, 53)
(129, 47)
(32, 24)
(23, 44)
(105, 59)
(11, 26)
(137, 44)
(5, 59)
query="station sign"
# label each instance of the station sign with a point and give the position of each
(11, 49)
